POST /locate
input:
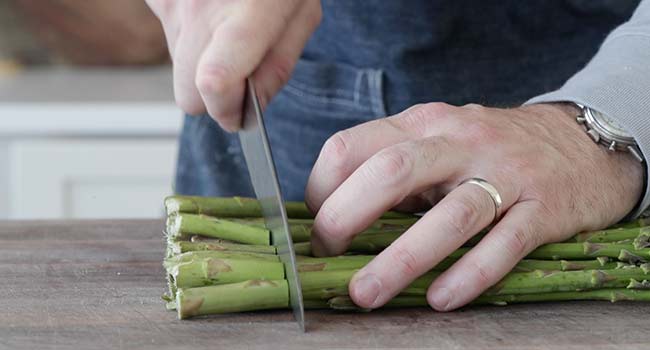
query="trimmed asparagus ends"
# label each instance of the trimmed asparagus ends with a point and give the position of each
(236, 297)
(220, 258)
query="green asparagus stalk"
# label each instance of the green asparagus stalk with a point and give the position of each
(632, 224)
(328, 284)
(343, 262)
(178, 247)
(610, 235)
(235, 207)
(375, 243)
(529, 265)
(239, 207)
(369, 243)
(613, 234)
(548, 281)
(213, 264)
(185, 225)
(344, 303)
(642, 241)
(565, 281)
(301, 229)
(586, 250)
(211, 271)
(390, 224)
(234, 297)
(171, 263)
(204, 254)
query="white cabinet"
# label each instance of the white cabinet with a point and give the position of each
(107, 153)
(77, 178)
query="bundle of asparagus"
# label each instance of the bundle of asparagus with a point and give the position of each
(220, 259)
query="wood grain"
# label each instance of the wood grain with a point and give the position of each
(97, 285)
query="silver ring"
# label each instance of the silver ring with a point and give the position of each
(491, 190)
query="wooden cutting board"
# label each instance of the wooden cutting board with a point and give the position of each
(97, 285)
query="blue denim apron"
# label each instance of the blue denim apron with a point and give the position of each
(373, 58)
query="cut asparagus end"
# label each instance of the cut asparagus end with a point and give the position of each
(235, 297)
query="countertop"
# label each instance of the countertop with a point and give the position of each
(97, 285)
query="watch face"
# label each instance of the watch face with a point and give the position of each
(610, 124)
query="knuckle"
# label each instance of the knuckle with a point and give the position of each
(479, 132)
(329, 223)
(437, 109)
(189, 104)
(281, 67)
(336, 151)
(390, 166)
(405, 261)
(473, 106)
(519, 242)
(215, 78)
(417, 118)
(483, 273)
(463, 216)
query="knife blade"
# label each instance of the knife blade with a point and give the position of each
(257, 152)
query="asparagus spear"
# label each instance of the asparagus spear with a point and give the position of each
(203, 254)
(211, 271)
(565, 281)
(178, 247)
(364, 243)
(327, 284)
(344, 262)
(234, 297)
(184, 225)
(239, 207)
(641, 222)
(610, 235)
(344, 303)
(380, 224)
(529, 265)
(235, 207)
(623, 252)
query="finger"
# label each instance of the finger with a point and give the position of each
(276, 67)
(170, 25)
(235, 50)
(455, 219)
(516, 235)
(346, 150)
(383, 181)
(187, 49)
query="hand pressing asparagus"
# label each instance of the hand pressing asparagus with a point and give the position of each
(220, 259)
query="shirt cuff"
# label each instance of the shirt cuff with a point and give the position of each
(617, 83)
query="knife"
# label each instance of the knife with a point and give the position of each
(257, 152)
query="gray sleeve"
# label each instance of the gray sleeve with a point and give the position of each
(617, 82)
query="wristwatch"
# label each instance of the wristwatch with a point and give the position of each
(608, 132)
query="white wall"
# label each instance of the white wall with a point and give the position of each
(87, 143)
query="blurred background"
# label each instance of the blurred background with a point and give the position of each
(88, 124)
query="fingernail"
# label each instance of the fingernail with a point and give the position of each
(441, 299)
(366, 290)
